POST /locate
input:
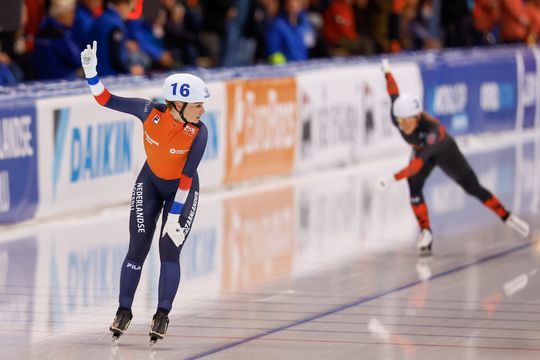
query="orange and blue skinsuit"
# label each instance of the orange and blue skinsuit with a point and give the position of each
(167, 183)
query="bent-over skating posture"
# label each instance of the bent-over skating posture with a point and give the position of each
(433, 146)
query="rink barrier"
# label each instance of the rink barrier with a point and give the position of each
(263, 121)
(18, 161)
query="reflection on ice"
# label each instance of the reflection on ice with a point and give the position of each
(63, 275)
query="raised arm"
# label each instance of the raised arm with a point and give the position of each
(140, 108)
(391, 85)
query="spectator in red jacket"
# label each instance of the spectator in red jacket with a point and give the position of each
(533, 12)
(515, 23)
(339, 29)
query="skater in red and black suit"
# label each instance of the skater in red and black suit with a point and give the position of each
(167, 185)
(433, 146)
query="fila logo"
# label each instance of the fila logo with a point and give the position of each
(189, 130)
(177, 151)
(134, 267)
(156, 119)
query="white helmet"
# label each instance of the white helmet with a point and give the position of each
(186, 88)
(406, 106)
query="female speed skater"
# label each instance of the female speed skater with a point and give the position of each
(433, 146)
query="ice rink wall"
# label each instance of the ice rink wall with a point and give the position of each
(60, 152)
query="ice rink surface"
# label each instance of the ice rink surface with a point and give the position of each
(310, 267)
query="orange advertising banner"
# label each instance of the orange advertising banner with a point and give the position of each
(262, 122)
(259, 238)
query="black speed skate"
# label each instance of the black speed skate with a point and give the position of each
(120, 323)
(160, 323)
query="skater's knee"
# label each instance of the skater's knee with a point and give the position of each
(168, 251)
(472, 186)
(138, 253)
(416, 199)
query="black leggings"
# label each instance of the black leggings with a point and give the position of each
(151, 196)
(452, 162)
(469, 182)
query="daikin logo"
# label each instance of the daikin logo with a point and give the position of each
(95, 150)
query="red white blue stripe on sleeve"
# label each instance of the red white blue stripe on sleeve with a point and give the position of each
(101, 94)
(181, 194)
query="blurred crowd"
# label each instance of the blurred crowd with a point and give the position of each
(223, 33)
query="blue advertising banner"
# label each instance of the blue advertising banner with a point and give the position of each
(18, 161)
(472, 94)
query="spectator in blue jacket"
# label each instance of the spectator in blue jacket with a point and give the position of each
(290, 35)
(140, 31)
(85, 14)
(110, 31)
(7, 74)
(56, 55)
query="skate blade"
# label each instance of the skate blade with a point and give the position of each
(153, 340)
(156, 335)
(115, 336)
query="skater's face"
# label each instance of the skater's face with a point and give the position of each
(408, 125)
(192, 111)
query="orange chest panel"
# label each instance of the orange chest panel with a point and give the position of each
(167, 143)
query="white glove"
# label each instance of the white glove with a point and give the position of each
(384, 182)
(385, 66)
(89, 60)
(174, 230)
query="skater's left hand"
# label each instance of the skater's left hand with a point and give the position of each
(174, 230)
(383, 182)
(385, 66)
(89, 60)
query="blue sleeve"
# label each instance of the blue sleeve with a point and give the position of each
(140, 108)
(196, 152)
(273, 42)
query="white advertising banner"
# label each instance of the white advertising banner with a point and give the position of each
(89, 155)
(330, 117)
(345, 113)
(211, 169)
